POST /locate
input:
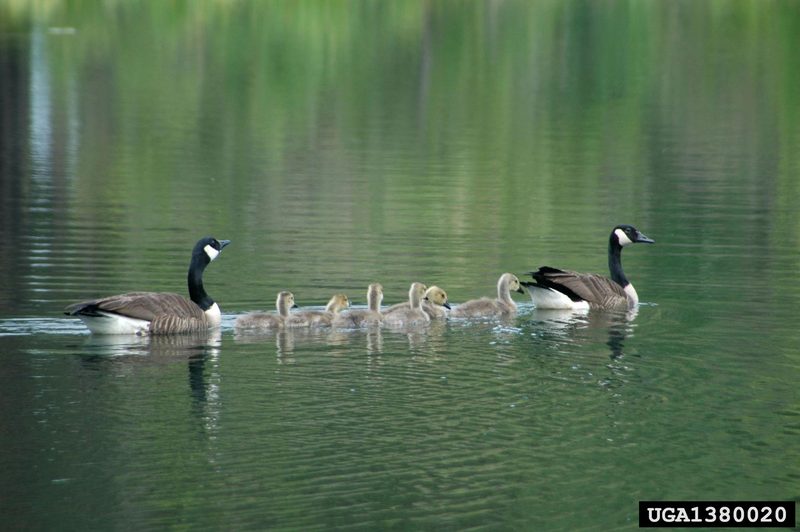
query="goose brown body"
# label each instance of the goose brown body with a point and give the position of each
(166, 312)
(553, 288)
(157, 312)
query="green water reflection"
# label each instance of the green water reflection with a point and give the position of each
(284, 120)
(341, 143)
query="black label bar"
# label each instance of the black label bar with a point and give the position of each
(733, 514)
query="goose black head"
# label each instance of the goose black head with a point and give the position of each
(627, 234)
(210, 247)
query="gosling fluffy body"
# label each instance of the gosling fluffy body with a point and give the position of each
(435, 303)
(410, 316)
(318, 318)
(363, 317)
(265, 320)
(485, 307)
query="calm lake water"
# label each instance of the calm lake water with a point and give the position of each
(342, 143)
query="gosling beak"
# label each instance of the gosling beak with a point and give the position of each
(295, 306)
(520, 290)
(446, 305)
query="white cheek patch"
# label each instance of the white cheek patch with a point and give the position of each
(211, 252)
(622, 237)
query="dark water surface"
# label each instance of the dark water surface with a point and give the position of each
(338, 144)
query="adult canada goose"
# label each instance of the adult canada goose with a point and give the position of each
(434, 303)
(485, 307)
(319, 318)
(266, 320)
(363, 317)
(411, 315)
(157, 312)
(562, 289)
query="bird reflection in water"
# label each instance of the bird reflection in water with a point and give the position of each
(573, 325)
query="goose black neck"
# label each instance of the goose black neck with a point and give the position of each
(195, 278)
(615, 262)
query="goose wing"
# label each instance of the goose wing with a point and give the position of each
(174, 324)
(597, 290)
(140, 305)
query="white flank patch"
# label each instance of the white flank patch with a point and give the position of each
(633, 297)
(115, 324)
(211, 252)
(545, 298)
(213, 315)
(622, 237)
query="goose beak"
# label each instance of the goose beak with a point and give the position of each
(643, 239)
(223, 243)
(446, 305)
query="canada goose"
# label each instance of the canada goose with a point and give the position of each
(363, 317)
(319, 318)
(434, 303)
(485, 307)
(266, 320)
(411, 315)
(561, 289)
(157, 312)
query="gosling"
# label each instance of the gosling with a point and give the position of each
(363, 317)
(503, 306)
(265, 320)
(434, 304)
(318, 318)
(412, 315)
